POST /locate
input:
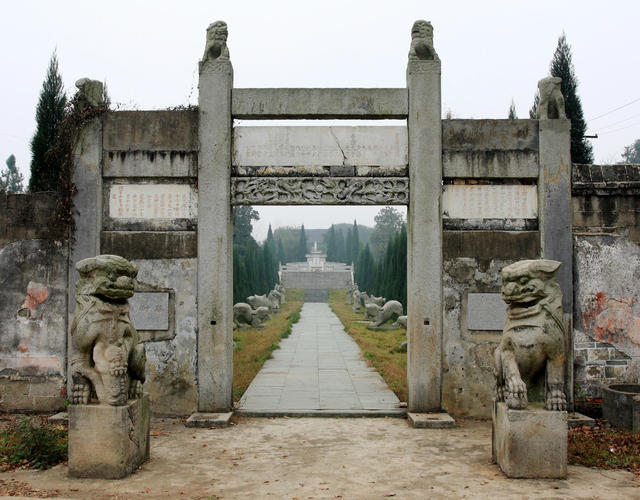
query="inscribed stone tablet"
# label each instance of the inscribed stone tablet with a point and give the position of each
(152, 201)
(506, 201)
(486, 311)
(150, 310)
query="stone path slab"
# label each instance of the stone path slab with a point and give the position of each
(318, 371)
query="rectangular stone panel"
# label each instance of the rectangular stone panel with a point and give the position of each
(150, 310)
(320, 146)
(505, 201)
(150, 244)
(489, 135)
(150, 131)
(150, 164)
(488, 245)
(490, 164)
(486, 311)
(152, 201)
(325, 103)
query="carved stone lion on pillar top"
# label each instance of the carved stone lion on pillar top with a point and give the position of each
(551, 105)
(530, 359)
(216, 46)
(422, 42)
(107, 358)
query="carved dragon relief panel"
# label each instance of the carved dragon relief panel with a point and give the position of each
(319, 191)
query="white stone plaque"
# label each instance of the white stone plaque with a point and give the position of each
(152, 201)
(149, 310)
(506, 201)
(327, 146)
(486, 311)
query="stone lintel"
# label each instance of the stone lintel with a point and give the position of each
(489, 135)
(319, 103)
(530, 443)
(431, 420)
(319, 191)
(320, 146)
(207, 420)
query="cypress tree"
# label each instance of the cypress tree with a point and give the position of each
(340, 246)
(561, 65)
(512, 111)
(281, 254)
(349, 248)
(10, 179)
(330, 240)
(302, 246)
(45, 172)
(355, 245)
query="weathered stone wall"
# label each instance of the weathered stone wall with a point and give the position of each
(29, 217)
(607, 275)
(149, 215)
(33, 303)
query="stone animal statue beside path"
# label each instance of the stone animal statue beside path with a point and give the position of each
(379, 301)
(107, 358)
(391, 310)
(401, 322)
(531, 355)
(263, 301)
(244, 313)
(282, 291)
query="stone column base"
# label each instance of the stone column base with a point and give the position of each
(108, 442)
(530, 443)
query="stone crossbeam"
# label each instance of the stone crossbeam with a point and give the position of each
(283, 103)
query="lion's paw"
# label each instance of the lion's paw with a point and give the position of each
(516, 393)
(556, 400)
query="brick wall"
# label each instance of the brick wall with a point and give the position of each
(606, 199)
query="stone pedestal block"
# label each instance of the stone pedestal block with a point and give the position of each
(530, 443)
(108, 441)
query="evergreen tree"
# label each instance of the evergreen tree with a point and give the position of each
(330, 240)
(282, 258)
(561, 65)
(533, 110)
(45, 172)
(243, 215)
(302, 246)
(11, 180)
(388, 222)
(355, 243)
(340, 257)
(512, 111)
(348, 251)
(631, 153)
(365, 271)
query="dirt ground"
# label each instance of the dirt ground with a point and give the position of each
(321, 458)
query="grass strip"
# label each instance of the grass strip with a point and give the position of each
(379, 347)
(255, 345)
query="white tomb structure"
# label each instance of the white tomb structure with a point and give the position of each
(316, 259)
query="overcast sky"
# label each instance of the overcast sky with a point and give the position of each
(491, 52)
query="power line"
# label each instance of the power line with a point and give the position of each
(621, 121)
(622, 128)
(616, 109)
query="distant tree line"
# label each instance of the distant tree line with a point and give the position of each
(387, 276)
(255, 266)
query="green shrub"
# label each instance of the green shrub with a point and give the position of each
(34, 443)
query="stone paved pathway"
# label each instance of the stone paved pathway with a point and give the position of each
(318, 370)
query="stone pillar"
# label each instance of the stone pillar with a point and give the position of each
(215, 238)
(87, 210)
(555, 217)
(424, 234)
